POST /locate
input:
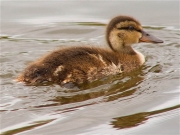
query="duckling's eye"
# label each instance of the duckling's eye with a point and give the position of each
(130, 27)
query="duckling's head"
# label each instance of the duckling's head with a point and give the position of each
(123, 31)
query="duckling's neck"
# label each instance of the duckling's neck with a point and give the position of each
(123, 49)
(131, 52)
(118, 45)
(127, 50)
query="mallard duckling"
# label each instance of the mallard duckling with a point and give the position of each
(83, 64)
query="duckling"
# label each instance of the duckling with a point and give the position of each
(85, 64)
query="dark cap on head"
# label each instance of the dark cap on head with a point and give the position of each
(118, 19)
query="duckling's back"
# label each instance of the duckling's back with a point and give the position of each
(75, 64)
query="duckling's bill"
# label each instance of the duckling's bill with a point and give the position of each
(146, 37)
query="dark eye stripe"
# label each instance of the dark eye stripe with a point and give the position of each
(123, 28)
(127, 28)
(139, 31)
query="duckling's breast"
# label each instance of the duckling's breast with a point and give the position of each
(141, 57)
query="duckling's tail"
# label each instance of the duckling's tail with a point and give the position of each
(20, 78)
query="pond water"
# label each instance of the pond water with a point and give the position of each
(142, 102)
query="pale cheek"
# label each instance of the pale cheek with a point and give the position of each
(139, 35)
(137, 40)
(131, 39)
(122, 35)
(136, 37)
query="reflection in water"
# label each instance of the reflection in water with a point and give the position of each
(123, 85)
(28, 34)
(137, 119)
(126, 86)
(25, 128)
(156, 69)
(119, 86)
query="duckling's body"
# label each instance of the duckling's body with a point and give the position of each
(83, 64)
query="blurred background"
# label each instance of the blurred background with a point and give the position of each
(43, 12)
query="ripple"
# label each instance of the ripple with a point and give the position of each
(125, 102)
(138, 119)
(154, 27)
(40, 121)
(12, 38)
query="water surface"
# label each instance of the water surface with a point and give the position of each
(145, 101)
